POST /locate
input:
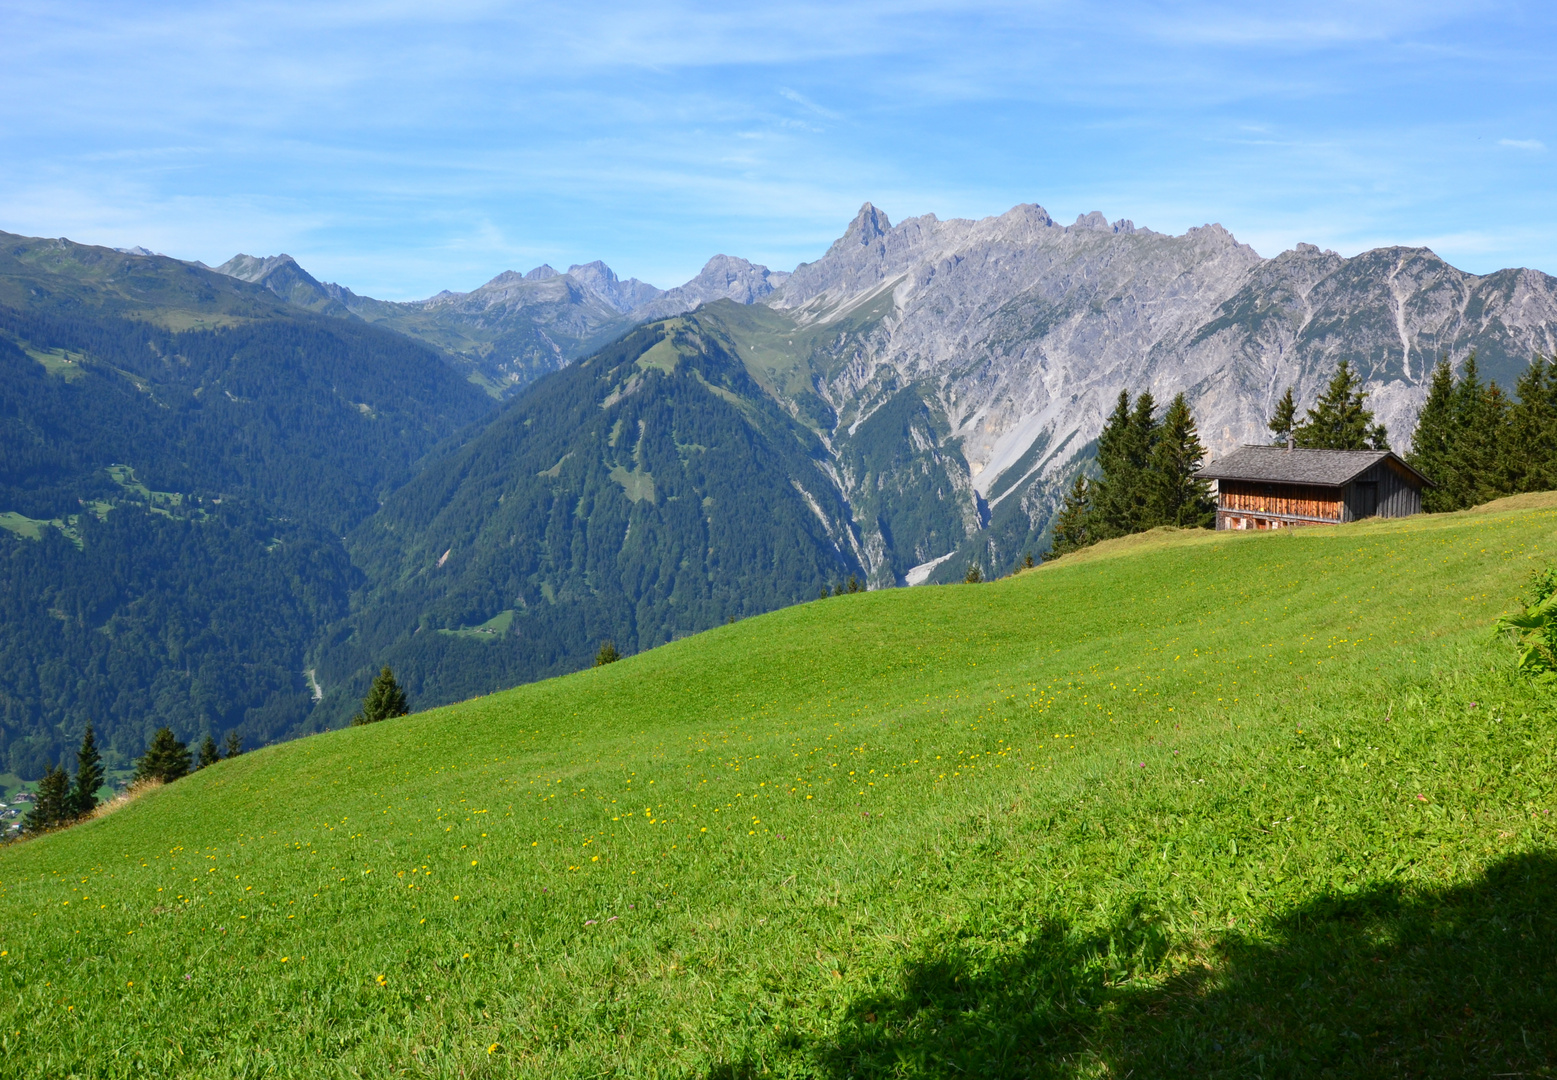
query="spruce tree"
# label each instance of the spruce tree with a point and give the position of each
(166, 759)
(1071, 529)
(1285, 418)
(1463, 436)
(1433, 441)
(89, 776)
(1480, 414)
(606, 655)
(209, 755)
(1340, 419)
(386, 700)
(232, 746)
(1121, 499)
(854, 585)
(1179, 496)
(1529, 446)
(974, 576)
(53, 800)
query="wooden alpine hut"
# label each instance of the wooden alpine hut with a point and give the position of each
(1279, 487)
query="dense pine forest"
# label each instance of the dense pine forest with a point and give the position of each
(175, 506)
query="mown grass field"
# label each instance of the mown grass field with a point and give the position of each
(1211, 805)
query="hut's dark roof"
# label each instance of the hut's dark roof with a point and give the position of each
(1277, 464)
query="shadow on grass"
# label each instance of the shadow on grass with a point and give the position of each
(1390, 982)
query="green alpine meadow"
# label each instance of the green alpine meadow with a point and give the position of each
(1182, 804)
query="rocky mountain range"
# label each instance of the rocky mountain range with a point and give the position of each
(1011, 336)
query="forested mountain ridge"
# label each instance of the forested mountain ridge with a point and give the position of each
(650, 491)
(59, 275)
(915, 400)
(180, 456)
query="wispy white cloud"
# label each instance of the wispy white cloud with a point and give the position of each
(1523, 144)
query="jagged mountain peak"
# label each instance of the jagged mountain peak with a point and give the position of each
(542, 272)
(868, 226)
(254, 268)
(724, 277)
(282, 275)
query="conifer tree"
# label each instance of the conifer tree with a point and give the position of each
(209, 755)
(89, 776)
(974, 576)
(1529, 451)
(232, 746)
(1340, 419)
(606, 655)
(1071, 529)
(386, 700)
(1480, 414)
(1433, 441)
(1121, 500)
(854, 585)
(53, 800)
(166, 759)
(1462, 441)
(1180, 497)
(1285, 418)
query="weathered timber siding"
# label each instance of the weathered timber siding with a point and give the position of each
(1397, 492)
(1285, 500)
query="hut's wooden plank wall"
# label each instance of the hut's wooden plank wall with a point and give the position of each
(1287, 500)
(1398, 495)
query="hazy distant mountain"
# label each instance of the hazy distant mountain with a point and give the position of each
(518, 327)
(282, 276)
(722, 278)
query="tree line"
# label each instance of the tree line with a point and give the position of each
(1148, 477)
(1476, 443)
(61, 800)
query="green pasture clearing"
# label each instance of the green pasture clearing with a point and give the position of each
(61, 363)
(32, 528)
(1208, 805)
(491, 630)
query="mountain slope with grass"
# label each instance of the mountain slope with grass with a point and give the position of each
(1189, 804)
(641, 495)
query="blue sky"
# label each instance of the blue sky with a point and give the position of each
(402, 148)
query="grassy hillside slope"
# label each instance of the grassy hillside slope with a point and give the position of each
(1209, 805)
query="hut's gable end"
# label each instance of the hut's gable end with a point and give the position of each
(1400, 492)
